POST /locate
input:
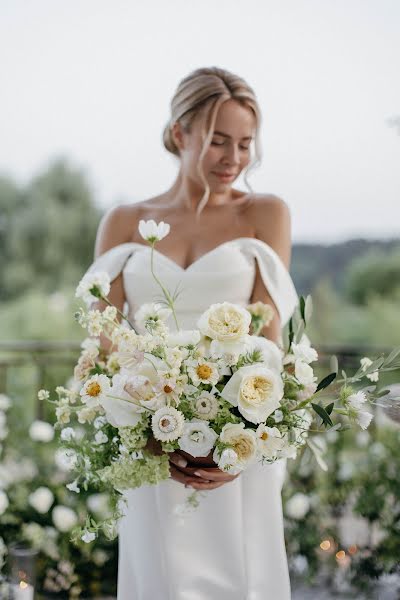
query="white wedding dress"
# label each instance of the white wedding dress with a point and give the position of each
(232, 546)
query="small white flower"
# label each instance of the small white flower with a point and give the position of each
(99, 422)
(92, 285)
(94, 390)
(364, 418)
(307, 391)
(100, 438)
(43, 395)
(41, 499)
(183, 338)
(228, 461)
(357, 400)
(91, 346)
(152, 231)
(269, 440)
(73, 486)
(95, 322)
(229, 351)
(67, 434)
(304, 353)
(304, 373)
(65, 459)
(365, 363)
(277, 415)
(5, 402)
(206, 406)
(167, 424)
(198, 438)
(41, 431)
(152, 317)
(298, 506)
(88, 536)
(4, 503)
(63, 414)
(202, 371)
(64, 518)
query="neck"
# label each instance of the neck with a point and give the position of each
(187, 194)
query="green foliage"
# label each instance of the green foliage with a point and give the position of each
(377, 273)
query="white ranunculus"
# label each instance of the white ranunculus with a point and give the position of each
(269, 440)
(98, 282)
(152, 231)
(256, 391)
(243, 442)
(228, 461)
(167, 424)
(225, 322)
(186, 337)
(198, 438)
(41, 431)
(304, 353)
(271, 355)
(64, 518)
(304, 373)
(41, 499)
(3, 502)
(5, 402)
(122, 409)
(357, 399)
(67, 434)
(298, 506)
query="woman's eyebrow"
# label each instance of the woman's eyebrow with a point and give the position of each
(248, 137)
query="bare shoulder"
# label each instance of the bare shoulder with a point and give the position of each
(115, 228)
(269, 216)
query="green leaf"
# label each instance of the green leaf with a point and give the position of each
(329, 408)
(334, 365)
(394, 354)
(302, 307)
(322, 413)
(308, 309)
(325, 382)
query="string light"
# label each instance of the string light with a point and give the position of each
(325, 545)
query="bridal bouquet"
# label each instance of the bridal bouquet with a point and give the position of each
(220, 392)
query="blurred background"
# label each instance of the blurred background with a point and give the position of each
(85, 95)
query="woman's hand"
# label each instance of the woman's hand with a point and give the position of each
(197, 477)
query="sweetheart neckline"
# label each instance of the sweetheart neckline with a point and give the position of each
(206, 254)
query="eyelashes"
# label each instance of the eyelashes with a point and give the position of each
(222, 143)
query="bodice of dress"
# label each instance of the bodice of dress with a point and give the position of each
(226, 273)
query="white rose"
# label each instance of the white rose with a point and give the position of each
(152, 231)
(256, 391)
(186, 337)
(298, 506)
(41, 499)
(304, 373)
(198, 438)
(225, 322)
(64, 518)
(40, 431)
(243, 442)
(304, 353)
(3, 502)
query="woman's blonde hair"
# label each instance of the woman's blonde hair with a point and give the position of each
(203, 91)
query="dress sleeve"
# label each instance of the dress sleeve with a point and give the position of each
(114, 260)
(276, 278)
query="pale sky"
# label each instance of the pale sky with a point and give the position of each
(91, 80)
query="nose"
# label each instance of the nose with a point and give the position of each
(232, 155)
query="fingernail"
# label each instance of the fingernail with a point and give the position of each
(182, 462)
(197, 473)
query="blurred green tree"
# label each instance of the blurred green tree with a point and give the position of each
(377, 273)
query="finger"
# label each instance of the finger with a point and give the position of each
(215, 475)
(177, 475)
(203, 485)
(177, 459)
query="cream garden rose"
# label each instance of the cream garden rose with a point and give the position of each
(256, 391)
(242, 441)
(225, 322)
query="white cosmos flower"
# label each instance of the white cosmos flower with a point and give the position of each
(228, 461)
(152, 231)
(202, 371)
(364, 418)
(41, 499)
(167, 424)
(185, 337)
(41, 431)
(256, 391)
(225, 322)
(357, 400)
(94, 390)
(4, 503)
(152, 312)
(304, 373)
(64, 518)
(304, 353)
(98, 282)
(269, 440)
(206, 406)
(243, 442)
(198, 438)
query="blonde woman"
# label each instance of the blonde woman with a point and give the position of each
(225, 245)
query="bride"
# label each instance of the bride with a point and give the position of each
(225, 245)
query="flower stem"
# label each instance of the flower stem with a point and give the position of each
(166, 293)
(121, 314)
